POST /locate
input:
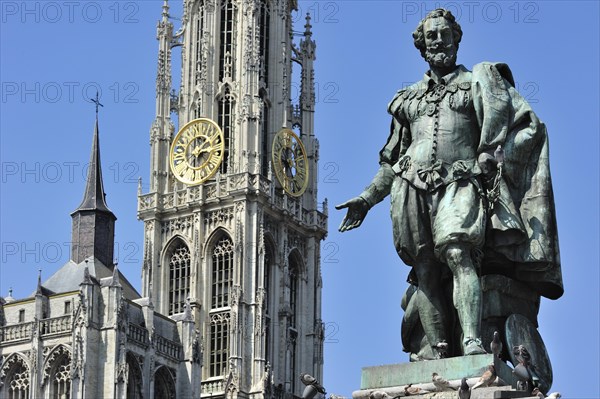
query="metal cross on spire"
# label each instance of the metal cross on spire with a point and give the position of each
(97, 102)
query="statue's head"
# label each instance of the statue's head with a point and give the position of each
(437, 38)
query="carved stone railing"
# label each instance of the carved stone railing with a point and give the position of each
(213, 387)
(321, 220)
(56, 325)
(291, 205)
(223, 187)
(16, 332)
(146, 201)
(168, 348)
(264, 185)
(206, 192)
(138, 335)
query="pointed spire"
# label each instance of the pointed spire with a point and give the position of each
(93, 223)
(94, 197)
(87, 279)
(116, 282)
(38, 291)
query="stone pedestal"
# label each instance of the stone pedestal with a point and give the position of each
(392, 379)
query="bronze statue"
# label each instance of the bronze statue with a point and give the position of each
(466, 166)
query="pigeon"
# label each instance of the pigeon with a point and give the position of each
(440, 383)
(522, 354)
(496, 345)
(464, 392)
(554, 395)
(308, 379)
(522, 372)
(442, 349)
(486, 378)
(525, 370)
(523, 375)
(410, 390)
(378, 395)
(537, 393)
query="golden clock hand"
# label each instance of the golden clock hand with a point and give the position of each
(196, 151)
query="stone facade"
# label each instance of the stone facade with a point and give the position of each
(251, 261)
(94, 343)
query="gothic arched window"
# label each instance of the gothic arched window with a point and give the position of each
(292, 349)
(60, 378)
(294, 271)
(222, 272)
(268, 262)
(222, 282)
(179, 277)
(226, 106)
(219, 343)
(294, 265)
(265, 137)
(268, 266)
(228, 18)
(264, 30)
(16, 383)
(164, 386)
(199, 19)
(134, 378)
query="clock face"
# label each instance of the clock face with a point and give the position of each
(197, 151)
(290, 162)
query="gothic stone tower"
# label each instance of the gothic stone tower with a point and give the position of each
(241, 248)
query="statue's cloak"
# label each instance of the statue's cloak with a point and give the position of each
(523, 222)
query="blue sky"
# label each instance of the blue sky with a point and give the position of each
(55, 54)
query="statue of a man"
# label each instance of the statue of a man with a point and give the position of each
(466, 165)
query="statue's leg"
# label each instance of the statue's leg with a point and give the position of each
(466, 295)
(432, 311)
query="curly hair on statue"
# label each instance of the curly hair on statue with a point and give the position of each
(419, 35)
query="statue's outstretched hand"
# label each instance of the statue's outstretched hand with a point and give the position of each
(357, 211)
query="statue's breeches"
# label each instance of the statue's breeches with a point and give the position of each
(424, 223)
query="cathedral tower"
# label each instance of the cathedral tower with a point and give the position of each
(232, 220)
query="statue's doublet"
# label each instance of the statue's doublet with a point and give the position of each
(441, 131)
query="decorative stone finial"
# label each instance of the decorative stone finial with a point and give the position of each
(307, 26)
(38, 290)
(115, 277)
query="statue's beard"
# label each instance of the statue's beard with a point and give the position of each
(441, 57)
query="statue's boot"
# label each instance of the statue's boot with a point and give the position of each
(472, 346)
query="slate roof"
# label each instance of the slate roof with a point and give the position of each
(70, 275)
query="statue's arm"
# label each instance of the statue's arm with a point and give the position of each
(395, 147)
(381, 184)
(358, 207)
